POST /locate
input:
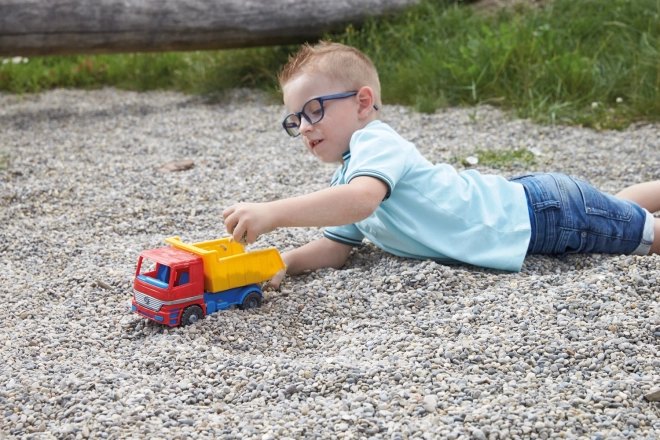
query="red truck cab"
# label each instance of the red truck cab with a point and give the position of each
(167, 280)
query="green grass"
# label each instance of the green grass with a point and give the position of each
(589, 62)
(501, 159)
(191, 72)
(4, 160)
(550, 65)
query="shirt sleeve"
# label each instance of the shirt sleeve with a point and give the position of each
(347, 234)
(377, 154)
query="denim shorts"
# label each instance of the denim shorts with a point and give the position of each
(570, 216)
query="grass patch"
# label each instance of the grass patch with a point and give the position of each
(199, 72)
(583, 62)
(548, 64)
(502, 159)
(4, 160)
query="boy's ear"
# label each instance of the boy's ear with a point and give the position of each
(367, 100)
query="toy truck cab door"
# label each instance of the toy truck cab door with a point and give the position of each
(187, 281)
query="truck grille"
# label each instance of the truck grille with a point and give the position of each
(147, 301)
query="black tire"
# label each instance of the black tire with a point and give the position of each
(251, 301)
(191, 315)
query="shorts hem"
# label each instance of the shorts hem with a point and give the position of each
(647, 236)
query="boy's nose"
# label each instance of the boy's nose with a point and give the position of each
(305, 126)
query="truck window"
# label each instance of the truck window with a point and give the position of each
(182, 277)
(154, 273)
(147, 267)
(163, 274)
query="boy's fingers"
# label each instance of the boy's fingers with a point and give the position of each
(227, 212)
(276, 280)
(238, 235)
(250, 237)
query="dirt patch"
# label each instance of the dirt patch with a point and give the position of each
(492, 5)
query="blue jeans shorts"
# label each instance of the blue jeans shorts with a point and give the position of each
(570, 216)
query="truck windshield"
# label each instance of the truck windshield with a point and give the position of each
(154, 273)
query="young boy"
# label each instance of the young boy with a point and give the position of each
(384, 190)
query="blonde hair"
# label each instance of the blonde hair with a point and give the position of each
(343, 63)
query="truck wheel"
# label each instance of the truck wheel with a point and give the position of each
(252, 301)
(191, 315)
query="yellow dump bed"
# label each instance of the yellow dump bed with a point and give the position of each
(227, 265)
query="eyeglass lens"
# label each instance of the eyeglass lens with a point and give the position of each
(291, 125)
(312, 112)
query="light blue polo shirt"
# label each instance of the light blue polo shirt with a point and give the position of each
(432, 211)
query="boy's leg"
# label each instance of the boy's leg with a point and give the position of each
(655, 247)
(646, 195)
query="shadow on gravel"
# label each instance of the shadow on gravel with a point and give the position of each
(25, 120)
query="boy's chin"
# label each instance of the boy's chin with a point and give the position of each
(330, 160)
(327, 159)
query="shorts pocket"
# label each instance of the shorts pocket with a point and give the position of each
(570, 242)
(601, 204)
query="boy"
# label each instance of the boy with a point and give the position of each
(387, 192)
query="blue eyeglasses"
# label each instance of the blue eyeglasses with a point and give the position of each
(312, 111)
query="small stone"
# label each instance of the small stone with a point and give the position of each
(177, 165)
(471, 160)
(653, 395)
(478, 434)
(430, 403)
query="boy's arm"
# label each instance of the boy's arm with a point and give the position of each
(317, 254)
(334, 206)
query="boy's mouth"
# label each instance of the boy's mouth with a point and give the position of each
(315, 143)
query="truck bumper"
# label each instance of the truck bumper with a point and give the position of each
(168, 317)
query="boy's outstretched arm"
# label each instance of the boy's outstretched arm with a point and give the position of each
(317, 254)
(334, 206)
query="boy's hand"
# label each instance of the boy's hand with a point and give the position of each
(276, 280)
(247, 221)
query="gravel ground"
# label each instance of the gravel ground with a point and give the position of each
(386, 348)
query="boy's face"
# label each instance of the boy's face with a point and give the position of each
(329, 138)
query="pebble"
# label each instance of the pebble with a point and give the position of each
(430, 403)
(478, 434)
(653, 395)
(386, 347)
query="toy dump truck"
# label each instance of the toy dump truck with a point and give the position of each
(182, 283)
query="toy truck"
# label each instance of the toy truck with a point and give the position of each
(182, 283)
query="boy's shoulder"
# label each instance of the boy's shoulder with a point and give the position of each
(378, 126)
(377, 131)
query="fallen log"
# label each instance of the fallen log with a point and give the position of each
(59, 27)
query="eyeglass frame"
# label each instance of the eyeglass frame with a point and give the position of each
(320, 99)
